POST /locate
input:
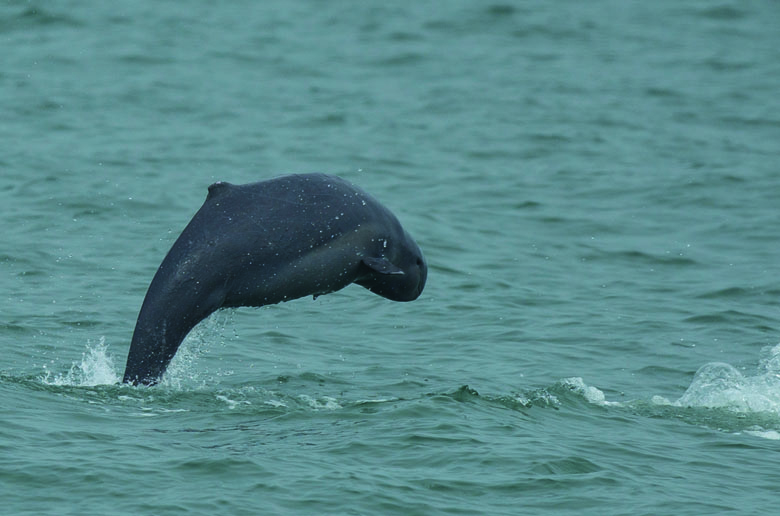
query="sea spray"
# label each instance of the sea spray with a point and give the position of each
(97, 367)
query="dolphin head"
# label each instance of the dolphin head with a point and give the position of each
(398, 272)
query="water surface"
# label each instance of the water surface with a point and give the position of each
(594, 186)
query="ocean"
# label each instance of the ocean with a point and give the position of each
(594, 185)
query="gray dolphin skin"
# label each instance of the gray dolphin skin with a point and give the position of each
(264, 243)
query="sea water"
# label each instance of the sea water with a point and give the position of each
(595, 187)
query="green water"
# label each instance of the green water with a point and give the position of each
(594, 184)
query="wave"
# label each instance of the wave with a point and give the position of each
(719, 397)
(34, 16)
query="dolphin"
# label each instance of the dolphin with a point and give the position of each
(264, 243)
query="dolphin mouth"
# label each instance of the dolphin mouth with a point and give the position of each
(423, 276)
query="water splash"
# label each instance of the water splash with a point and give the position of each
(556, 394)
(590, 393)
(96, 368)
(187, 371)
(723, 397)
(720, 396)
(720, 385)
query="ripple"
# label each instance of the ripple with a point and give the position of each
(34, 16)
(723, 12)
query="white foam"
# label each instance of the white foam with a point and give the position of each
(326, 402)
(590, 393)
(232, 404)
(378, 400)
(772, 435)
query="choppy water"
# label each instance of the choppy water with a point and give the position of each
(594, 185)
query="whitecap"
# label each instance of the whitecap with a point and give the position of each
(590, 393)
(326, 402)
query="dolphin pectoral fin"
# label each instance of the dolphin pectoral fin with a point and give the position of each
(381, 265)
